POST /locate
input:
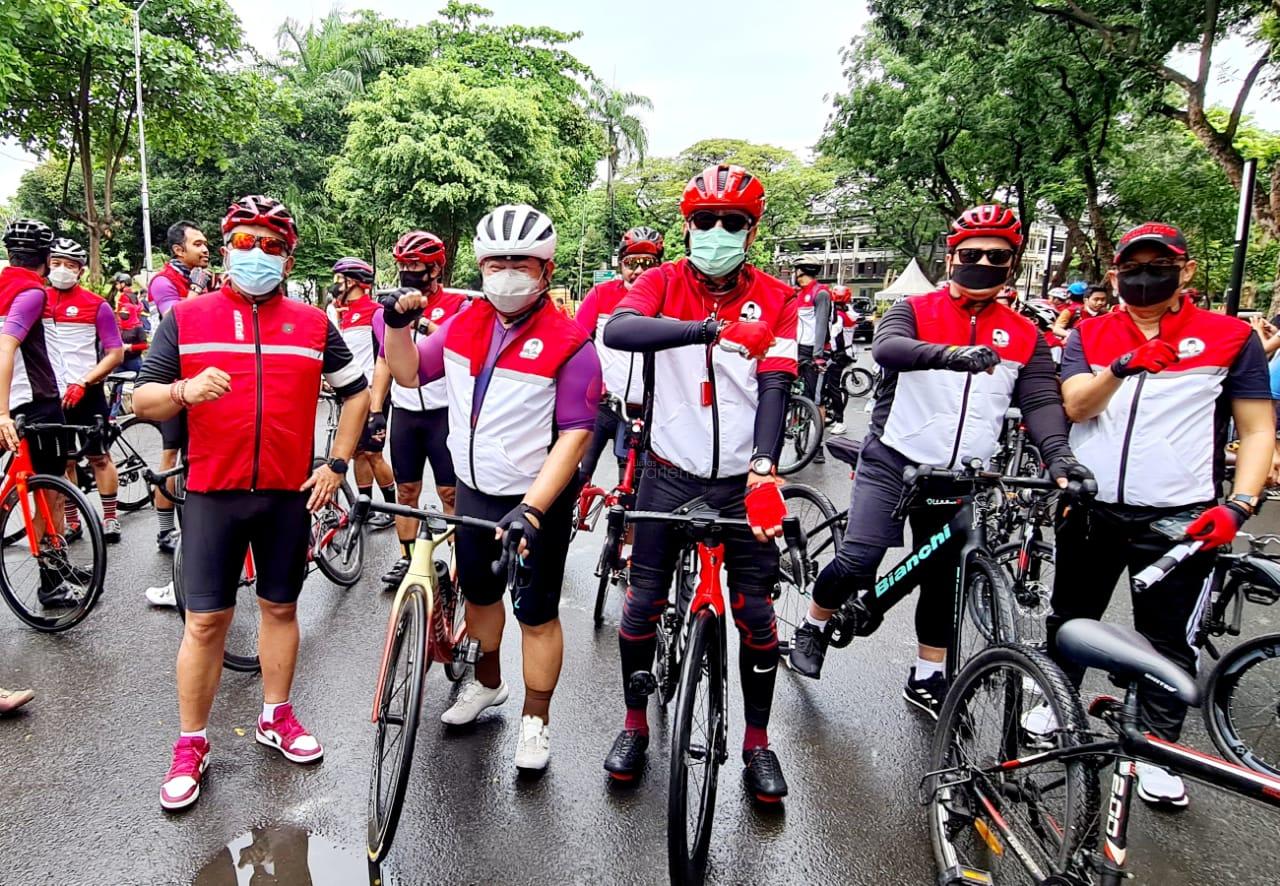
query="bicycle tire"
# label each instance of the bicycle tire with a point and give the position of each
(823, 539)
(341, 559)
(687, 859)
(857, 381)
(453, 602)
(239, 661)
(1224, 712)
(954, 810)
(606, 569)
(988, 605)
(27, 607)
(411, 636)
(1031, 587)
(802, 435)
(129, 455)
(667, 662)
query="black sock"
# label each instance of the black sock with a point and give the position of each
(164, 517)
(389, 492)
(365, 490)
(406, 548)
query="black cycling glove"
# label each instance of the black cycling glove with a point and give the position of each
(1079, 478)
(969, 358)
(377, 425)
(519, 515)
(391, 315)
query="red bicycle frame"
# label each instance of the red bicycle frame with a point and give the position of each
(626, 486)
(709, 593)
(20, 469)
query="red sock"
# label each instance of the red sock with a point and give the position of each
(637, 720)
(756, 737)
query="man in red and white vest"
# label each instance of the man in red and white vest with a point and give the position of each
(523, 383)
(244, 363)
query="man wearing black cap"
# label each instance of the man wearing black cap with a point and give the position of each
(1150, 388)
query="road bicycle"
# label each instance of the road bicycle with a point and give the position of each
(1008, 807)
(611, 568)
(691, 666)
(427, 624)
(50, 583)
(857, 381)
(801, 429)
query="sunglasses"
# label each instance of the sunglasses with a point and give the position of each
(733, 222)
(270, 245)
(1160, 264)
(994, 256)
(632, 262)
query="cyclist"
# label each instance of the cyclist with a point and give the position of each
(185, 275)
(420, 416)
(357, 314)
(843, 323)
(954, 361)
(1093, 303)
(29, 388)
(715, 431)
(245, 363)
(813, 330)
(523, 383)
(1150, 388)
(81, 326)
(641, 248)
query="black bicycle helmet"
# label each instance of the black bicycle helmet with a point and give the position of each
(28, 235)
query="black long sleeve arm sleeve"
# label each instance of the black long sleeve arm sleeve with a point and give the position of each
(773, 388)
(1039, 396)
(631, 331)
(821, 320)
(895, 346)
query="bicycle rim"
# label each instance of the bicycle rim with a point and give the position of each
(1243, 705)
(974, 807)
(802, 435)
(137, 447)
(815, 512)
(399, 709)
(454, 604)
(858, 382)
(987, 604)
(695, 760)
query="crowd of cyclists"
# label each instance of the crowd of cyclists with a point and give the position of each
(1127, 383)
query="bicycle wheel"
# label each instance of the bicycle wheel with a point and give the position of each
(801, 433)
(607, 570)
(816, 514)
(137, 447)
(56, 588)
(857, 381)
(337, 545)
(453, 631)
(1031, 586)
(988, 608)
(241, 650)
(977, 810)
(398, 710)
(1242, 705)
(666, 666)
(696, 751)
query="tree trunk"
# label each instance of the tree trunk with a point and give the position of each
(85, 142)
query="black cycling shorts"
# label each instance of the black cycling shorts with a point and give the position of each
(536, 597)
(419, 438)
(218, 528)
(173, 431)
(49, 450)
(92, 406)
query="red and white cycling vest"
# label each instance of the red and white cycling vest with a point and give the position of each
(355, 322)
(499, 445)
(71, 323)
(442, 305)
(623, 371)
(806, 315)
(34, 376)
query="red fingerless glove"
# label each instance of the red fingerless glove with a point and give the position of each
(750, 338)
(765, 506)
(1151, 356)
(1218, 525)
(138, 347)
(74, 394)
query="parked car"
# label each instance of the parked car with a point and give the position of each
(863, 327)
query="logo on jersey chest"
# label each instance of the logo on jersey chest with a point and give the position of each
(436, 314)
(531, 349)
(1190, 347)
(239, 325)
(751, 311)
(1000, 338)
(72, 311)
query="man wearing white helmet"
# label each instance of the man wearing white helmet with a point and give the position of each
(523, 384)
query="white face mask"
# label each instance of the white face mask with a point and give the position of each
(63, 278)
(511, 290)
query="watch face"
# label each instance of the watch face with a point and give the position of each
(761, 466)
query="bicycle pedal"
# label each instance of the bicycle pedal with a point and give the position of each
(642, 683)
(470, 652)
(961, 875)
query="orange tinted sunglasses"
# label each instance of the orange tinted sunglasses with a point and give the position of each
(244, 241)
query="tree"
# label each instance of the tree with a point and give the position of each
(624, 134)
(331, 54)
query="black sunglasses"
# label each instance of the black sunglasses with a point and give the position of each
(995, 256)
(733, 222)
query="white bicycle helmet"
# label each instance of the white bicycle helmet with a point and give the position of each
(517, 230)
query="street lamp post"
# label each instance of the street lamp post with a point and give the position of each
(142, 136)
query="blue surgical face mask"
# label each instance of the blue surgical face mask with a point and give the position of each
(254, 272)
(717, 252)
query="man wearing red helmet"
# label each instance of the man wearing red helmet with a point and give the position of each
(813, 330)
(641, 249)
(244, 364)
(954, 361)
(419, 416)
(722, 335)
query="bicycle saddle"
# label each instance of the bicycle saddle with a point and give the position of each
(845, 450)
(1120, 650)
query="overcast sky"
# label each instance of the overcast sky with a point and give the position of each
(761, 70)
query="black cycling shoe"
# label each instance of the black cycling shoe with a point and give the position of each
(926, 694)
(763, 775)
(626, 757)
(380, 521)
(167, 541)
(55, 562)
(821, 457)
(74, 533)
(55, 592)
(808, 650)
(393, 576)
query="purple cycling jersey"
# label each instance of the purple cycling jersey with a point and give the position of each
(25, 313)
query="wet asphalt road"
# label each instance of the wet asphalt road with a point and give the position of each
(80, 770)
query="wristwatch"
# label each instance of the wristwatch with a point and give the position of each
(1250, 502)
(762, 465)
(337, 465)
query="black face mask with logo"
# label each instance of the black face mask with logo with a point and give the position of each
(978, 277)
(1149, 286)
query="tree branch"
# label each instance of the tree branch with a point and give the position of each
(1206, 47)
(1237, 110)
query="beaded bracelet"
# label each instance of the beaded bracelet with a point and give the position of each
(178, 392)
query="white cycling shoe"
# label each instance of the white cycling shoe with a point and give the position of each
(1160, 787)
(533, 751)
(1040, 721)
(473, 699)
(162, 596)
(837, 429)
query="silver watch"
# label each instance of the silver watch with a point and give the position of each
(762, 465)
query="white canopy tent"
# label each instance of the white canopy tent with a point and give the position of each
(911, 281)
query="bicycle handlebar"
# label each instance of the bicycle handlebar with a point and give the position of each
(508, 561)
(1159, 570)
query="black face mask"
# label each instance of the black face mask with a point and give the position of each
(419, 280)
(334, 290)
(978, 277)
(1149, 286)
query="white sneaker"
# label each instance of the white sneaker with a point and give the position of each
(534, 748)
(1160, 787)
(1040, 721)
(473, 699)
(162, 596)
(837, 429)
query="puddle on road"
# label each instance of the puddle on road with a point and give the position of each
(287, 856)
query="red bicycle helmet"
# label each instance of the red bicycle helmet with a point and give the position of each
(641, 241)
(420, 246)
(266, 211)
(841, 295)
(724, 187)
(988, 220)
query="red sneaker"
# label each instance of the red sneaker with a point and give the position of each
(289, 737)
(181, 786)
